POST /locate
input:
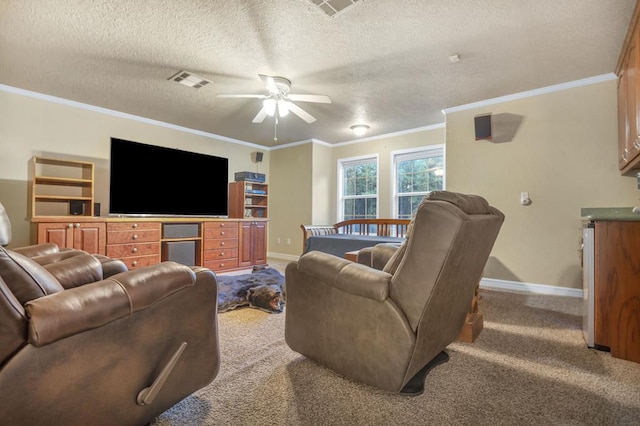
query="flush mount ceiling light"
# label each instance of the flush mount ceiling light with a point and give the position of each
(359, 129)
(189, 79)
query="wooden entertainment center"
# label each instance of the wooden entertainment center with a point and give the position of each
(217, 244)
(61, 209)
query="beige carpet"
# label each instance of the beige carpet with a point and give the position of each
(529, 366)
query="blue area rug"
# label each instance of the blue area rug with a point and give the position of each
(262, 289)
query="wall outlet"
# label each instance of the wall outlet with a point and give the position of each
(288, 241)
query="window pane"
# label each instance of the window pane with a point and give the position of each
(417, 174)
(348, 209)
(359, 179)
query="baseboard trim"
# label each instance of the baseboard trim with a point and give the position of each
(520, 287)
(490, 283)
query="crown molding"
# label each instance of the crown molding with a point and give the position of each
(535, 92)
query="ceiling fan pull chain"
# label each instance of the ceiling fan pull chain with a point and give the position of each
(275, 130)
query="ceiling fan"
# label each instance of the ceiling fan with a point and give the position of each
(280, 101)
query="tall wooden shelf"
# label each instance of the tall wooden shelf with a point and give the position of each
(54, 184)
(248, 200)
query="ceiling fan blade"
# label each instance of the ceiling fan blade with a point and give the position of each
(269, 83)
(323, 99)
(259, 118)
(242, 96)
(301, 113)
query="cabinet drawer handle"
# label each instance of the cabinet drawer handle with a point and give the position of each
(70, 225)
(222, 243)
(134, 250)
(222, 254)
(135, 237)
(134, 263)
(222, 265)
(77, 225)
(222, 233)
(134, 226)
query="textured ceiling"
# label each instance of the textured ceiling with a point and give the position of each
(383, 62)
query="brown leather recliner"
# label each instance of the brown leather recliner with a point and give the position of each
(388, 327)
(48, 253)
(77, 349)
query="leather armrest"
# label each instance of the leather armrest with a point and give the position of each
(381, 254)
(111, 266)
(364, 256)
(37, 249)
(77, 270)
(93, 305)
(353, 278)
(45, 259)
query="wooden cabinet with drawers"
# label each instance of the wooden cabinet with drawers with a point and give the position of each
(217, 244)
(220, 250)
(136, 244)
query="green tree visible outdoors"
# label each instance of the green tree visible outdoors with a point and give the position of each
(415, 178)
(360, 180)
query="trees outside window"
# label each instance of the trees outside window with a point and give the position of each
(416, 173)
(358, 180)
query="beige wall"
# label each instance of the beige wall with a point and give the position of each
(323, 207)
(565, 155)
(32, 126)
(290, 197)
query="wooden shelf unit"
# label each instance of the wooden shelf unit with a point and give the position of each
(54, 184)
(248, 199)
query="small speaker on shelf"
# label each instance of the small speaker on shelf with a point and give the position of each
(483, 127)
(96, 209)
(76, 207)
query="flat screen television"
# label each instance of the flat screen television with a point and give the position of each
(152, 180)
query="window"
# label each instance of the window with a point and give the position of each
(415, 173)
(358, 188)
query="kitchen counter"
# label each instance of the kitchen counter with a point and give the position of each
(610, 213)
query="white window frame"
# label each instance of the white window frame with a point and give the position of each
(354, 161)
(411, 154)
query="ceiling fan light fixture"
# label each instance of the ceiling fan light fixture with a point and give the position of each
(359, 129)
(269, 107)
(283, 108)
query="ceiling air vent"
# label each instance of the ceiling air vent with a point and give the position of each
(189, 79)
(333, 8)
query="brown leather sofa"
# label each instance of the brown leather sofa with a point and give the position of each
(80, 349)
(388, 327)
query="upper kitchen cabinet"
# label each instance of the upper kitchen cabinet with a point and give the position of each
(629, 99)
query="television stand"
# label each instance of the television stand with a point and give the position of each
(220, 244)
